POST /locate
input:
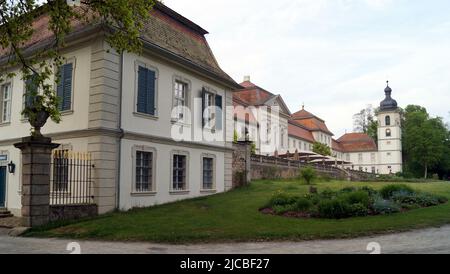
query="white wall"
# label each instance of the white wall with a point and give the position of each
(161, 125)
(163, 175)
(74, 120)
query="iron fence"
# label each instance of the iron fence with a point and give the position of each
(71, 178)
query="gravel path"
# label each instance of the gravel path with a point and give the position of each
(430, 241)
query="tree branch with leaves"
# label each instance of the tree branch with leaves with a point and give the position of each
(123, 20)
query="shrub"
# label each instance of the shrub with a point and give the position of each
(442, 199)
(426, 200)
(302, 204)
(358, 197)
(328, 194)
(404, 198)
(369, 190)
(308, 174)
(381, 206)
(281, 199)
(334, 209)
(325, 178)
(348, 189)
(281, 209)
(359, 210)
(387, 191)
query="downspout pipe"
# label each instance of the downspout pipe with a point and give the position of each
(119, 154)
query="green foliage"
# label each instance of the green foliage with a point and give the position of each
(281, 199)
(354, 201)
(253, 148)
(308, 174)
(383, 207)
(123, 18)
(388, 191)
(302, 204)
(321, 149)
(357, 197)
(364, 121)
(235, 137)
(426, 144)
(334, 209)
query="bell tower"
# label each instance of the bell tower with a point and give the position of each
(389, 136)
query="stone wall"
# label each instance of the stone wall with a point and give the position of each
(241, 164)
(263, 167)
(72, 212)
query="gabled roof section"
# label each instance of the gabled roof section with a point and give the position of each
(336, 146)
(167, 32)
(311, 121)
(298, 131)
(357, 142)
(254, 95)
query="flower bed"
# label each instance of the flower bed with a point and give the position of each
(351, 202)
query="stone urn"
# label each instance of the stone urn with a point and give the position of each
(38, 121)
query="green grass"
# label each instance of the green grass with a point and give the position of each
(235, 216)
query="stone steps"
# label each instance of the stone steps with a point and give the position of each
(4, 213)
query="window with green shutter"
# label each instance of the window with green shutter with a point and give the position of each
(146, 91)
(64, 89)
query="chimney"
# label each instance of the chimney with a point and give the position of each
(247, 78)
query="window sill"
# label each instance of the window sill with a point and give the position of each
(176, 122)
(146, 116)
(66, 112)
(143, 194)
(5, 124)
(179, 192)
(208, 191)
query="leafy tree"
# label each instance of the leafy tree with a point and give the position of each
(123, 20)
(321, 149)
(308, 174)
(364, 121)
(425, 140)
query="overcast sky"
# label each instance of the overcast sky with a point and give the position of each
(333, 55)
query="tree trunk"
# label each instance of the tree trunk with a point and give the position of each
(426, 171)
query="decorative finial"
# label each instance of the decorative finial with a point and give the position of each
(387, 82)
(303, 106)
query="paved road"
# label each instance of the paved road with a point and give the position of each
(434, 241)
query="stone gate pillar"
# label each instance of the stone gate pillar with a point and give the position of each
(36, 162)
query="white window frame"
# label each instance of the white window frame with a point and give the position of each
(138, 64)
(360, 157)
(72, 61)
(214, 183)
(143, 148)
(179, 79)
(187, 185)
(7, 100)
(210, 109)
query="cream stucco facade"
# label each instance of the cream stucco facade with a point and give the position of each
(104, 121)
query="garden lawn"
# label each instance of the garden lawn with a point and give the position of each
(235, 216)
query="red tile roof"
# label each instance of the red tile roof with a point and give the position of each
(336, 146)
(165, 29)
(297, 130)
(253, 94)
(357, 142)
(311, 121)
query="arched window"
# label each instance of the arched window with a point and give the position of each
(388, 120)
(388, 133)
